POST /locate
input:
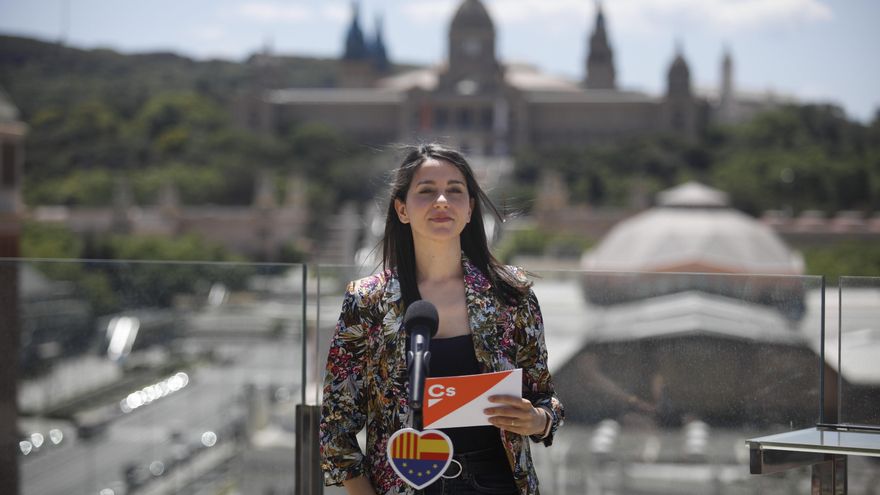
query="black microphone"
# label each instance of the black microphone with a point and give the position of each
(420, 322)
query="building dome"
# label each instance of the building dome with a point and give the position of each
(693, 229)
(472, 14)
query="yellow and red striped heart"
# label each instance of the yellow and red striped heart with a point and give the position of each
(419, 457)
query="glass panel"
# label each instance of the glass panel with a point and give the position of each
(859, 348)
(664, 376)
(826, 440)
(157, 377)
(331, 284)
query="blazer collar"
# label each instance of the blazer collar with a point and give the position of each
(481, 308)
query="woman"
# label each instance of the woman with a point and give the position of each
(435, 249)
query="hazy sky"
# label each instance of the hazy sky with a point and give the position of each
(818, 50)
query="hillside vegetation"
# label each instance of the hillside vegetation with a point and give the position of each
(158, 118)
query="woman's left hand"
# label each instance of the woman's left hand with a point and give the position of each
(517, 415)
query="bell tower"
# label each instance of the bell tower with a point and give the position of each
(727, 100)
(681, 112)
(600, 59)
(356, 66)
(473, 67)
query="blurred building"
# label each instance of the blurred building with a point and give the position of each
(693, 229)
(260, 230)
(665, 373)
(646, 315)
(487, 107)
(554, 211)
(816, 227)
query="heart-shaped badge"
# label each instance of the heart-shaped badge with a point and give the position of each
(419, 457)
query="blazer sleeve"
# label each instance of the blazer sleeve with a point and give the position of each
(532, 358)
(344, 407)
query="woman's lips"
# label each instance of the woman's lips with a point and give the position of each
(441, 219)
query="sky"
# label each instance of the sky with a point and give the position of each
(815, 50)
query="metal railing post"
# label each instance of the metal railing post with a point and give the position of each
(308, 460)
(829, 477)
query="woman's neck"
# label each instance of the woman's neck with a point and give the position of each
(438, 262)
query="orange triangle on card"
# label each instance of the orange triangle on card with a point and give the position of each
(444, 395)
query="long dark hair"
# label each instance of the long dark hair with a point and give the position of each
(398, 250)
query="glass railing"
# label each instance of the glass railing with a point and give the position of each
(859, 349)
(664, 376)
(157, 377)
(184, 377)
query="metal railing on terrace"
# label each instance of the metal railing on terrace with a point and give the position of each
(205, 378)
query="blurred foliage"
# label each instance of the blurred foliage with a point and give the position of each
(53, 242)
(44, 240)
(793, 158)
(40, 74)
(96, 116)
(109, 286)
(538, 242)
(156, 119)
(845, 258)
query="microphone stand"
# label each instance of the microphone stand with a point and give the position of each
(421, 322)
(416, 403)
(419, 361)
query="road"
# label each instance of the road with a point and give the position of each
(211, 401)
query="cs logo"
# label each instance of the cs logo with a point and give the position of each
(437, 392)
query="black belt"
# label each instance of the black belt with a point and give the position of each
(468, 462)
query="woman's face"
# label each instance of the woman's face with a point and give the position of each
(437, 205)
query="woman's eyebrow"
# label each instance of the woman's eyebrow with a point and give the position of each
(432, 181)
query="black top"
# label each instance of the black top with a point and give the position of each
(455, 356)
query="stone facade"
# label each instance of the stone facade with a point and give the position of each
(478, 103)
(260, 230)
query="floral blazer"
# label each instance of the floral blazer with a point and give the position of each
(366, 380)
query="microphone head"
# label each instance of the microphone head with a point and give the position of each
(421, 314)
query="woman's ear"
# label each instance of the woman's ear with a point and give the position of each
(400, 208)
(471, 210)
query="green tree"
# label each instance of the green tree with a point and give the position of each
(177, 124)
(174, 266)
(844, 258)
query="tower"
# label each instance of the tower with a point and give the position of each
(473, 67)
(377, 50)
(600, 59)
(726, 103)
(363, 60)
(356, 67)
(680, 105)
(355, 44)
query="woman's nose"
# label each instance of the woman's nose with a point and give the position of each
(441, 200)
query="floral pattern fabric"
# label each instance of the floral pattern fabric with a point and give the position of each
(366, 381)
